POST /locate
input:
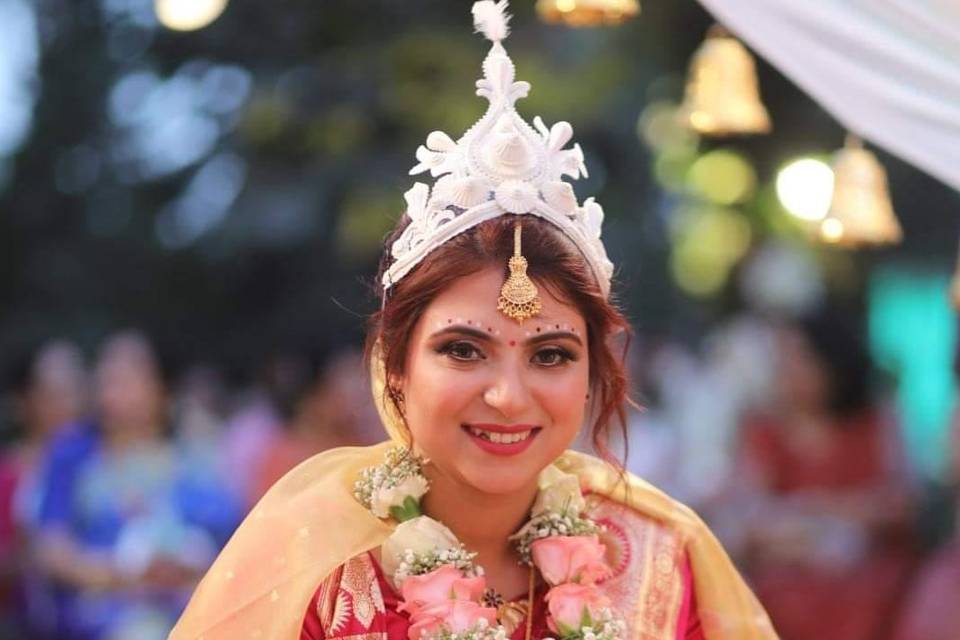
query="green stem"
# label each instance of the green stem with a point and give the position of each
(409, 510)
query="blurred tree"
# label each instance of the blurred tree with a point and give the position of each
(194, 184)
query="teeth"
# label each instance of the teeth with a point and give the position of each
(500, 438)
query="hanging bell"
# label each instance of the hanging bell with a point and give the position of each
(860, 210)
(587, 13)
(722, 96)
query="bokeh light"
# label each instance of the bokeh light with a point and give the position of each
(188, 15)
(831, 230)
(660, 127)
(19, 55)
(723, 177)
(707, 243)
(805, 187)
(671, 165)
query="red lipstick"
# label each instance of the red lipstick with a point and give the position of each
(501, 440)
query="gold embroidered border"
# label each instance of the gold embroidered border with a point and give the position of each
(661, 583)
(352, 591)
(327, 602)
(648, 590)
(360, 582)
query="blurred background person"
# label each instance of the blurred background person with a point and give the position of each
(330, 408)
(827, 535)
(50, 390)
(257, 418)
(199, 417)
(930, 609)
(124, 527)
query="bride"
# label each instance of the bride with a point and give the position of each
(493, 348)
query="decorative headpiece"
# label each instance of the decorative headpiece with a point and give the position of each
(500, 166)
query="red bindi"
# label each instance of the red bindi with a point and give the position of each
(513, 343)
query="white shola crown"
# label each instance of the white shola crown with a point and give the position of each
(500, 166)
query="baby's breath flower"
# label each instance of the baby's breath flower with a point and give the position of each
(606, 626)
(551, 523)
(393, 484)
(481, 631)
(418, 564)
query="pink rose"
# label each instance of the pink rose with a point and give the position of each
(456, 616)
(564, 559)
(428, 620)
(571, 605)
(439, 586)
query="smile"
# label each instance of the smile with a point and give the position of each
(502, 440)
(505, 438)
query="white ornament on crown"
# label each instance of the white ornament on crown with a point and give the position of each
(500, 166)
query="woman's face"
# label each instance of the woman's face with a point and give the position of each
(489, 401)
(803, 378)
(129, 393)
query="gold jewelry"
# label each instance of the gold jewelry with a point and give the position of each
(511, 614)
(519, 297)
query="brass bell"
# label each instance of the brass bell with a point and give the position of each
(860, 210)
(722, 95)
(587, 13)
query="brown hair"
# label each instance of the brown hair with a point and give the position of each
(555, 263)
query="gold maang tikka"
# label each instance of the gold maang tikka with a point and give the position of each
(519, 297)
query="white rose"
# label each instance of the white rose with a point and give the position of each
(419, 535)
(382, 500)
(558, 491)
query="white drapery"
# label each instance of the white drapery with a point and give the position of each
(888, 70)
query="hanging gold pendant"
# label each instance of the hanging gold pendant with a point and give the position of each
(511, 615)
(519, 297)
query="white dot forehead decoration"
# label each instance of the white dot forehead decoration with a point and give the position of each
(500, 166)
(479, 324)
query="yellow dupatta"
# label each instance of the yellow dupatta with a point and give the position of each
(309, 523)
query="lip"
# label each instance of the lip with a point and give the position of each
(501, 448)
(502, 428)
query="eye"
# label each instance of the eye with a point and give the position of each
(553, 357)
(462, 351)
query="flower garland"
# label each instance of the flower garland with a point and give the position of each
(444, 591)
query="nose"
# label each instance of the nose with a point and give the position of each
(509, 392)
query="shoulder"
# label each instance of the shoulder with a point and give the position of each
(630, 494)
(646, 534)
(651, 538)
(340, 465)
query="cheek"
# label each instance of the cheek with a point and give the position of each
(436, 395)
(564, 398)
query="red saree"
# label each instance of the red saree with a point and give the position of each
(358, 602)
(806, 600)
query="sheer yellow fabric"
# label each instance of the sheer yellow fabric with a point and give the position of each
(309, 523)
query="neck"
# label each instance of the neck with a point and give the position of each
(488, 520)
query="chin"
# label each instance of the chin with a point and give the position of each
(501, 482)
(499, 476)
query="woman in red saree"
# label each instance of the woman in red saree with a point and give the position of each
(930, 610)
(495, 344)
(828, 546)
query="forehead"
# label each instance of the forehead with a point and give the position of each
(474, 298)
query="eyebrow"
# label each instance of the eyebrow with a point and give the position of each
(458, 329)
